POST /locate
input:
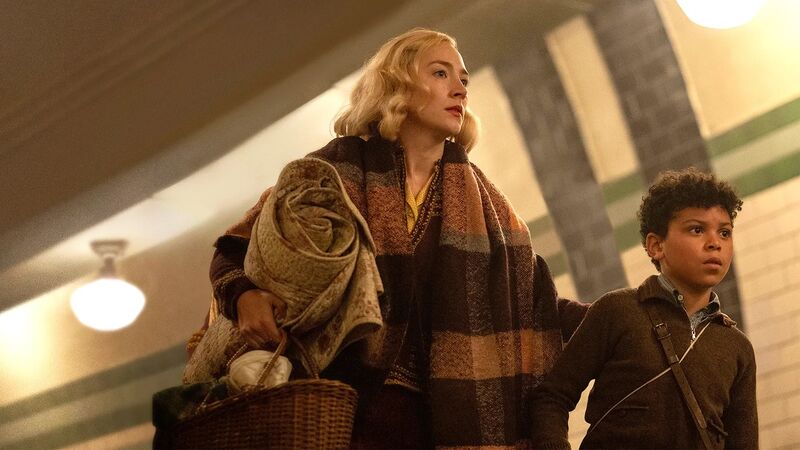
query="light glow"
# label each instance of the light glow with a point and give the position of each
(107, 304)
(720, 14)
(26, 346)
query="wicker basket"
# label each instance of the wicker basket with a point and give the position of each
(303, 414)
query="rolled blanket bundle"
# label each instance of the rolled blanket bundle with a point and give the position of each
(311, 247)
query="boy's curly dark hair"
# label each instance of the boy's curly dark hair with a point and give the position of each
(674, 190)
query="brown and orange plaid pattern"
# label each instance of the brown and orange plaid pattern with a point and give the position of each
(494, 329)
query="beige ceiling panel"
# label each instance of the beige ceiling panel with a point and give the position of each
(593, 98)
(736, 74)
(501, 151)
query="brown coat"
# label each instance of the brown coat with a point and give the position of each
(616, 346)
(490, 315)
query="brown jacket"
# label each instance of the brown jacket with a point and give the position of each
(616, 346)
(489, 315)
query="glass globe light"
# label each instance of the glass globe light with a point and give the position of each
(107, 303)
(720, 14)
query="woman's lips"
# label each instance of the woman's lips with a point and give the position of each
(456, 111)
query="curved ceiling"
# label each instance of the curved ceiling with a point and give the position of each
(106, 104)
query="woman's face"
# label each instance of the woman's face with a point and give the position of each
(439, 111)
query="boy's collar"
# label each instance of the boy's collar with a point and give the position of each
(713, 304)
(651, 289)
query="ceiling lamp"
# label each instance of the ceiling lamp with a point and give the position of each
(107, 303)
(720, 14)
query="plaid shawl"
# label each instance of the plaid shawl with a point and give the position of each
(494, 319)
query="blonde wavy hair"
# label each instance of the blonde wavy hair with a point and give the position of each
(379, 101)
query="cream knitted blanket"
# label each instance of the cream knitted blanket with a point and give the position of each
(311, 247)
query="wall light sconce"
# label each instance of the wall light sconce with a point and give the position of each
(107, 303)
(720, 14)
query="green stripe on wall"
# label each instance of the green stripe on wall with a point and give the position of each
(144, 445)
(91, 428)
(761, 152)
(540, 225)
(755, 128)
(557, 264)
(622, 187)
(627, 235)
(101, 381)
(769, 175)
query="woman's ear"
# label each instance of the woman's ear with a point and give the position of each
(654, 244)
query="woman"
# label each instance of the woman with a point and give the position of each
(471, 320)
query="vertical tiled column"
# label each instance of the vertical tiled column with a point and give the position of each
(654, 98)
(562, 167)
(649, 83)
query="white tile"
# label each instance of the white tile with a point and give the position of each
(769, 361)
(754, 234)
(785, 435)
(748, 214)
(797, 244)
(788, 382)
(756, 264)
(565, 286)
(637, 265)
(780, 331)
(765, 388)
(121, 439)
(789, 221)
(791, 272)
(765, 440)
(750, 260)
(757, 314)
(762, 284)
(577, 424)
(771, 411)
(778, 252)
(793, 406)
(790, 353)
(547, 244)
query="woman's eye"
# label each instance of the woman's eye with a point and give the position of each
(464, 82)
(440, 74)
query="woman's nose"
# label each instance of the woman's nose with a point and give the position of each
(459, 90)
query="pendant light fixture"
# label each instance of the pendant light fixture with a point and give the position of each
(108, 303)
(720, 14)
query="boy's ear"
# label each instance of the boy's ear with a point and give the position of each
(654, 245)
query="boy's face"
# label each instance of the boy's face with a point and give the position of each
(696, 253)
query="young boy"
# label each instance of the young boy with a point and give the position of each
(686, 223)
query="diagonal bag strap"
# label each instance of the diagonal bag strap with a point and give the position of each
(665, 339)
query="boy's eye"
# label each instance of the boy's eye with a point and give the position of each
(696, 230)
(726, 233)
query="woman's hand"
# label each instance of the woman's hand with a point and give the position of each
(258, 311)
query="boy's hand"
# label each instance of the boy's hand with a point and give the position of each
(258, 311)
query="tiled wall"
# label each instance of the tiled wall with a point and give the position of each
(564, 171)
(651, 88)
(654, 97)
(760, 155)
(767, 245)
